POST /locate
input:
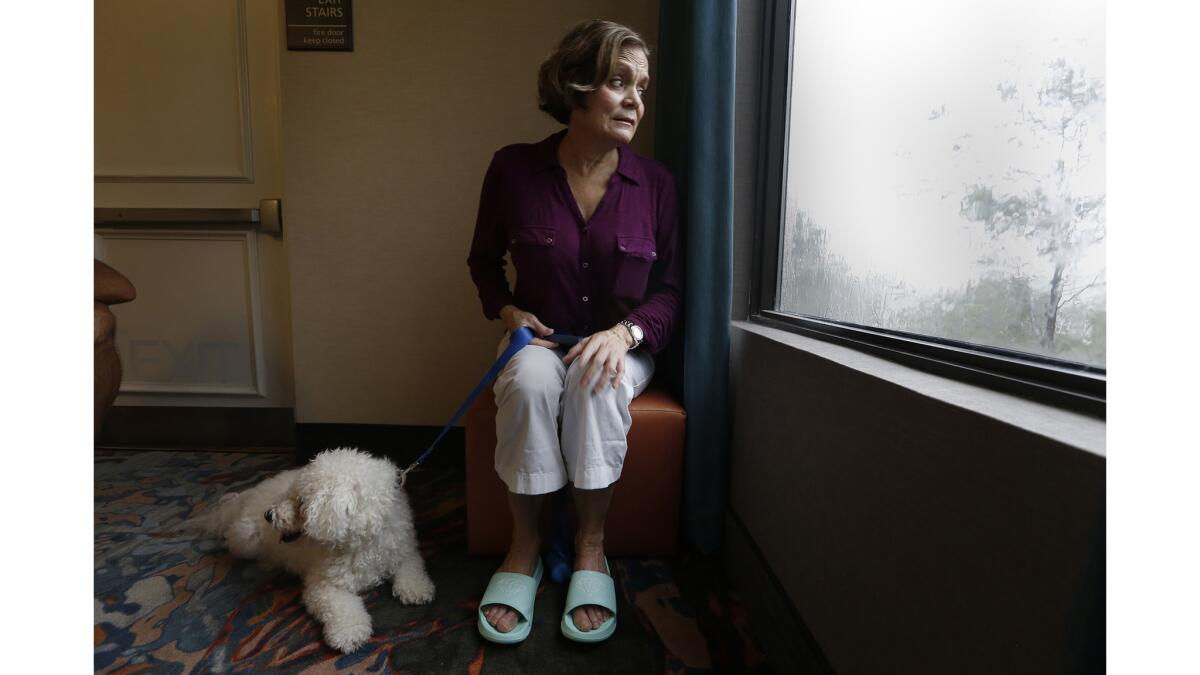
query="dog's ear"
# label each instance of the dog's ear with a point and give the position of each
(349, 495)
(329, 508)
(374, 497)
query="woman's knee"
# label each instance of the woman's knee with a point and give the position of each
(581, 388)
(575, 378)
(526, 391)
(529, 381)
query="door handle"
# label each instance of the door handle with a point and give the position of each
(268, 217)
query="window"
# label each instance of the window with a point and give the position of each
(938, 185)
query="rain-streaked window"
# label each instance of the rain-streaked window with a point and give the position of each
(945, 171)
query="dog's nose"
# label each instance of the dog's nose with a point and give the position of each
(269, 515)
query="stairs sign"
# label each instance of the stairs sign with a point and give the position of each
(321, 25)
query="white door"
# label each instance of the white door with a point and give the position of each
(188, 173)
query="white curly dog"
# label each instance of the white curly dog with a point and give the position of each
(342, 523)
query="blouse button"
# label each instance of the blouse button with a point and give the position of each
(585, 266)
(653, 254)
(549, 240)
(622, 247)
(585, 298)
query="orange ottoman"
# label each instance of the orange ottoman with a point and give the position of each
(643, 519)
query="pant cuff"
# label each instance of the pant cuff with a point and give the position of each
(597, 477)
(532, 483)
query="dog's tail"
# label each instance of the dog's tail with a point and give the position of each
(213, 520)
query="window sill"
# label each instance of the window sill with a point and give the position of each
(1073, 429)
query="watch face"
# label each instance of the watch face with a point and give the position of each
(637, 333)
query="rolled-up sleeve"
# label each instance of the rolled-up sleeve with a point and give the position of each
(659, 313)
(488, 246)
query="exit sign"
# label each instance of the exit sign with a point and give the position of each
(321, 25)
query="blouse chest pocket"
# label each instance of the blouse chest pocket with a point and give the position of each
(532, 236)
(531, 247)
(635, 256)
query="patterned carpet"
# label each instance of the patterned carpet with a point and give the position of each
(170, 604)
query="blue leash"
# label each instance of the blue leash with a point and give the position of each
(558, 558)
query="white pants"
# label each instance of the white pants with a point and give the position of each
(536, 396)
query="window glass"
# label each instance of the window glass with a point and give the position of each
(945, 171)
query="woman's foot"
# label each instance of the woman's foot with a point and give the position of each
(519, 561)
(590, 557)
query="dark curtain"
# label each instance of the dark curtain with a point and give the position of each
(694, 138)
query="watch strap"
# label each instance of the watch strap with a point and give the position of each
(629, 327)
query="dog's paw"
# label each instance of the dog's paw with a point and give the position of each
(347, 638)
(415, 589)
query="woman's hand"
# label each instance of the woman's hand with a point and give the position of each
(514, 317)
(603, 354)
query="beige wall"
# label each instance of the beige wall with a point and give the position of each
(384, 151)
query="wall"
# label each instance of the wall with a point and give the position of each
(913, 533)
(384, 152)
(916, 525)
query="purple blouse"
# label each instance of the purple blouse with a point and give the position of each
(579, 276)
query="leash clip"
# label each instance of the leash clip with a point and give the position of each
(404, 474)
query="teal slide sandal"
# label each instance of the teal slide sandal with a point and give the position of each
(590, 588)
(517, 591)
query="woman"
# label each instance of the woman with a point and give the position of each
(591, 229)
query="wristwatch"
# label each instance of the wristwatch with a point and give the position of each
(635, 331)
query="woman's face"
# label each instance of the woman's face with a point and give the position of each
(615, 109)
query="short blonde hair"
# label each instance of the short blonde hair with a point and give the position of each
(584, 59)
